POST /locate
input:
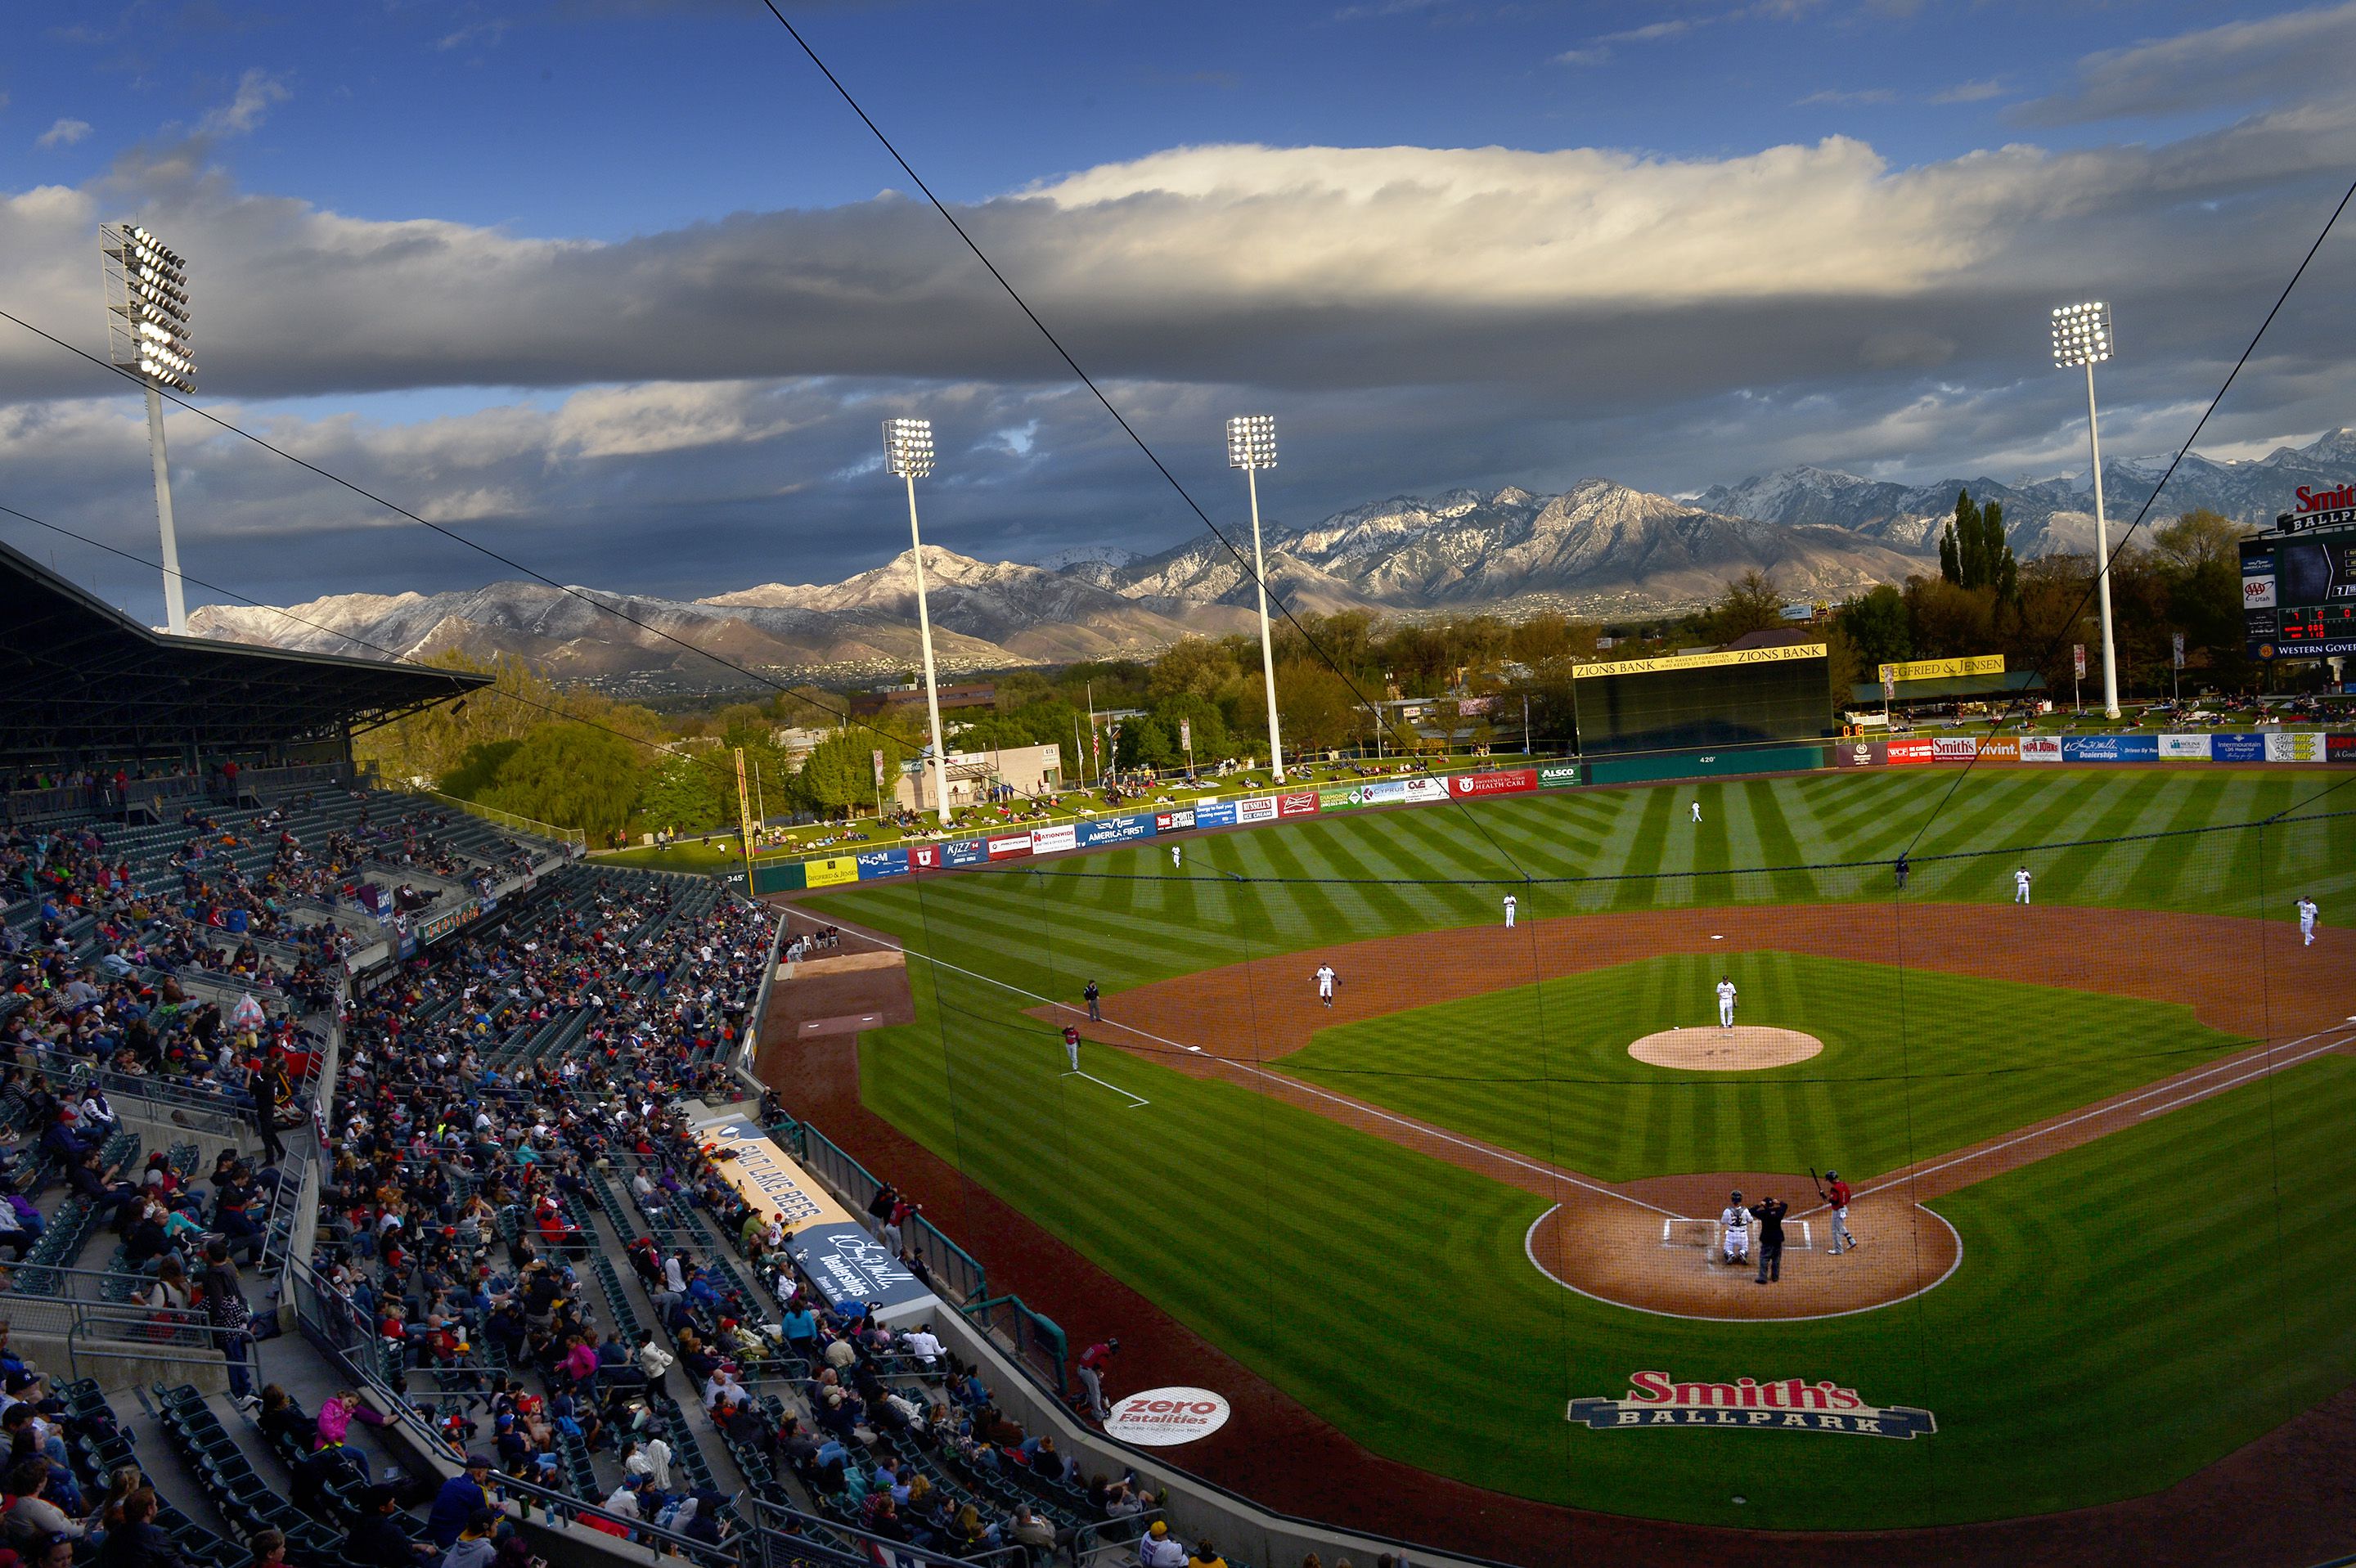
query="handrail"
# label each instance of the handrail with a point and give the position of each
(573, 837)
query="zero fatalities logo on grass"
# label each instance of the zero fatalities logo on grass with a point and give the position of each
(1786, 1404)
(1164, 1417)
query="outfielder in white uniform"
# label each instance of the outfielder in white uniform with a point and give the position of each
(2020, 886)
(1325, 984)
(1510, 906)
(1696, 811)
(2306, 920)
(1177, 856)
(1734, 1228)
(1725, 1002)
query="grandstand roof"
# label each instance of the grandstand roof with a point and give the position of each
(78, 676)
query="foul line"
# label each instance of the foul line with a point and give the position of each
(1550, 1172)
(2109, 1106)
(1135, 1100)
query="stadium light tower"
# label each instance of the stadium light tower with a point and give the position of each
(147, 335)
(2082, 336)
(1251, 446)
(909, 452)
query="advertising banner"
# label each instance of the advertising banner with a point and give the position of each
(1303, 804)
(830, 870)
(2000, 748)
(1010, 846)
(1942, 669)
(2339, 748)
(1911, 752)
(1176, 821)
(2237, 748)
(1259, 808)
(854, 1270)
(2040, 747)
(1383, 791)
(1165, 1417)
(1699, 661)
(1115, 830)
(2300, 746)
(956, 852)
(1215, 814)
(2184, 748)
(1422, 791)
(2110, 748)
(874, 864)
(1338, 797)
(1051, 840)
(1860, 753)
(766, 1176)
(1955, 748)
(1512, 781)
(1557, 775)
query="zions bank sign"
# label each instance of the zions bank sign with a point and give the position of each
(1783, 1404)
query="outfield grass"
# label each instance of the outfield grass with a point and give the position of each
(1915, 1064)
(2125, 1311)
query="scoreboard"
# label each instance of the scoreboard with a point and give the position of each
(2298, 594)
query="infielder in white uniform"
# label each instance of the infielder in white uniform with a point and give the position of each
(1510, 906)
(1725, 1002)
(1325, 984)
(2306, 920)
(1734, 1226)
(2020, 886)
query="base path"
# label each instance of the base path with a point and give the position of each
(2237, 1513)
(1641, 1243)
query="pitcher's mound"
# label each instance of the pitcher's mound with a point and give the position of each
(1707, 1049)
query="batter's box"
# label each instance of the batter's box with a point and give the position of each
(1702, 1235)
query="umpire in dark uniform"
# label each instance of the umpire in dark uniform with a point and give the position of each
(1769, 1212)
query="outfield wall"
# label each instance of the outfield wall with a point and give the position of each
(2305, 748)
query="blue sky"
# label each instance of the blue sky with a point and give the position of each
(583, 274)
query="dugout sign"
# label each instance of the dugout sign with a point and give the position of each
(1657, 1400)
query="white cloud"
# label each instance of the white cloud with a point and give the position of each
(2272, 59)
(63, 134)
(1862, 95)
(257, 91)
(1583, 57)
(1650, 32)
(1970, 93)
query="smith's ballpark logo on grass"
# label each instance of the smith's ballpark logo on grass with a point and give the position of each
(1786, 1404)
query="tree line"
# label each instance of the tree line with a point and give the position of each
(572, 758)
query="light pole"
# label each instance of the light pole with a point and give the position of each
(909, 452)
(1251, 446)
(2082, 336)
(147, 335)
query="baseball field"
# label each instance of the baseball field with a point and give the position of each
(2099, 1141)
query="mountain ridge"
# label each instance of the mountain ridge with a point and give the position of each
(1598, 548)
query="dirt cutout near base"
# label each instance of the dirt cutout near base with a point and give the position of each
(1745, 1048)
(2236, 1513)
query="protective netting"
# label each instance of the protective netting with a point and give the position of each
(2087, 1084)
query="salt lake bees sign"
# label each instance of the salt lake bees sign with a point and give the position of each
(1786, 1404)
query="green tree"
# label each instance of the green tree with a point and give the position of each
(1971, 544)
(477, 769)
(570, 776)
(1317, 708)
(1876, 623)
(839, 773)
(1751, 604)
(679, 791)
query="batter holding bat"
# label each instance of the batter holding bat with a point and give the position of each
(1836, 1195)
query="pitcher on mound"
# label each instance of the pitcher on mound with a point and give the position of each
(1726, 1001)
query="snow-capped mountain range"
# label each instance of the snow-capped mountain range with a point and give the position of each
(1599, 548)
